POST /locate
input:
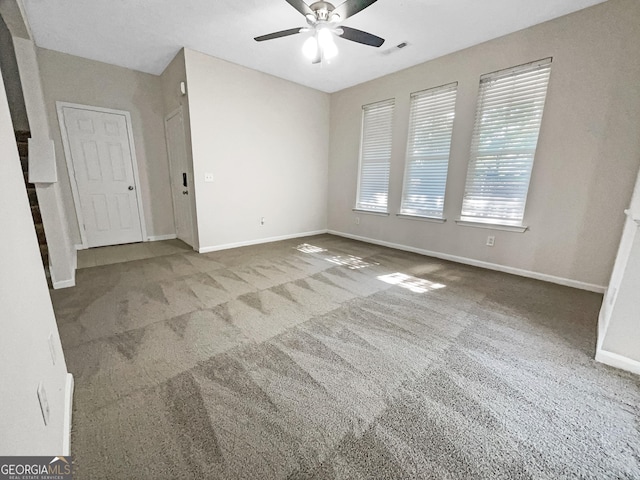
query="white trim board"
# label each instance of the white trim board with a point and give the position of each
(617, 361)
(150, 238)
(58, 284)
(158, 238)
(567, 282)
(227, 246)
(63, 284)
(68, 411)
(60, 106)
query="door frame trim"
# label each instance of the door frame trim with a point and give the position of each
(179, 111)
(72, 172)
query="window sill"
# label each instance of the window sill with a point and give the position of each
(371, 212)
(422, 218)
(493, 226)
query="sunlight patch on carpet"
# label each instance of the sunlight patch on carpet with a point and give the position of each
(306, 248)
(414, 284)
(351, 261)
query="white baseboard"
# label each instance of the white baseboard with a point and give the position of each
(68, 412)
(603, 320)
(63, 284)
(150, 238)
(58, 284)
(618, 361)
(156, 238)
(256, 242)
(479, 263)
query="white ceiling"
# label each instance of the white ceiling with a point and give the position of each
(146, 35)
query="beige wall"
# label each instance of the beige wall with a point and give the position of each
(77, 80)
(27, 319)
(265, 140)
(588, 152)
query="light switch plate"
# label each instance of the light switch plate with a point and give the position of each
(208, 177)
(44, 403)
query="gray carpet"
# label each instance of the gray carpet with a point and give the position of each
(325, 358)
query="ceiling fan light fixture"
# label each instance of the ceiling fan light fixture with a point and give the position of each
(326, 43)
(310, 48)
(324, 36)
(329, 50)
(324, 22)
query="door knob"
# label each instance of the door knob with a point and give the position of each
(130, 187)
(185, 192)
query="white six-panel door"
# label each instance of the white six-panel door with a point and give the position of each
(101, 156)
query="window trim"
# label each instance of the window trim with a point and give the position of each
(503, 223)
(358, 207)
(423, 218)
(451, 86)
(492, 226)
(379, 213)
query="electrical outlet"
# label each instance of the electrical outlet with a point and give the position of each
(261, 221)
(491, 240)
(357, 220)
(52, 348)
(208, 177)
(44, 403)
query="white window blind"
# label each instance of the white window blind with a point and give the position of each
(375, 156)
(503, 147)
(430, 128)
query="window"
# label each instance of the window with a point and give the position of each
(503, 147)
(430, 127)
(375, 156)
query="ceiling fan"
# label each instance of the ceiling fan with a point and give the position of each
(324, 23)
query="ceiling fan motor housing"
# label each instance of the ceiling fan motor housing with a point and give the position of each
(322, 10)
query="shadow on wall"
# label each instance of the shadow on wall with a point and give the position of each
(11, 77)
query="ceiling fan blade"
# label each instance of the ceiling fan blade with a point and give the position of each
(351, 7)
(359, 36)
(300, 6)
(283, 33)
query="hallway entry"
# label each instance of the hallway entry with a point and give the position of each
(181, 177)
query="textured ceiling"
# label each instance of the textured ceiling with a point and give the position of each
(145, 35)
